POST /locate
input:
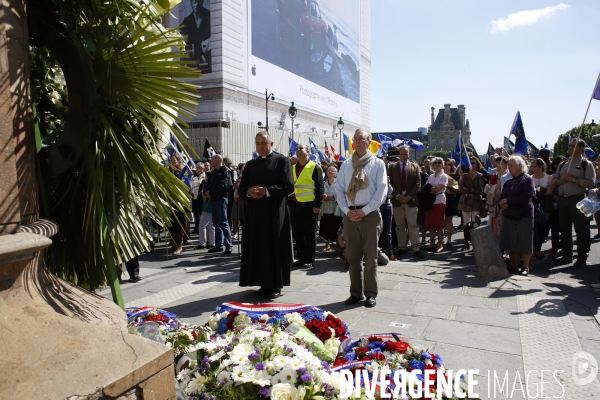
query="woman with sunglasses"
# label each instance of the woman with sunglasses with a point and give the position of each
(471, 185)
(435, 218)
(451, 197)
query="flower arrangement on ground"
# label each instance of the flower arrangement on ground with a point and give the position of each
(256, 361)
(164, 327)
(325, 325)
(391, 352)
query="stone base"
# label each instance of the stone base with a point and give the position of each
(50, 348)
(488, 257)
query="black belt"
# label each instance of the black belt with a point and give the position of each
(355, 207)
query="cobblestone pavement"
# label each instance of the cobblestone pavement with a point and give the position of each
(508, 329)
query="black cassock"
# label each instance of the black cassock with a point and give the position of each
(267, 252)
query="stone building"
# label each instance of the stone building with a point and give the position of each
(444, 128)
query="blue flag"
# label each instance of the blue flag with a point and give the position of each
(488, 162)
(464, 156)
(293, 145)
(345, 142)
(546, 146)
(386, 142)
(398, 141)
(519, 132)
(455, 154)
(491, 151)
(596, 94)
(312, 157)
(315, 150)
(254, 155)
(589, 153)
(414, 144)
(341, 159)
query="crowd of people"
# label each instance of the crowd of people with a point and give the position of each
(368, 208)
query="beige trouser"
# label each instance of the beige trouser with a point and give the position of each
(361, 243)
(405, 215)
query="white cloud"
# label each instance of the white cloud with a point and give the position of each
(527, 17)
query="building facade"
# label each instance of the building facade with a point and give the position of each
(310, 52)
(444, 129)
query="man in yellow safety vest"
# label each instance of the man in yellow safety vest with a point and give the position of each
(305, 206)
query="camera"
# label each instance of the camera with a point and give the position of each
(393, 154)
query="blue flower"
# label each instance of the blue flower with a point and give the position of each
(416, 364)
(426, 355)
(351, 346)
(305, 378)
(277, 320)
(222, 325)
(350, 357)
(265, 392)
(438, 360)
(420, 377)
(259, 366)
(311, 314)
(376, 345)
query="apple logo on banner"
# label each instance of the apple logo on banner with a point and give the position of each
(254, 70)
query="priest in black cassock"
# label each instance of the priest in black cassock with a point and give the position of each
(267, 252)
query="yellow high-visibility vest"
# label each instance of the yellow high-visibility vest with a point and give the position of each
(304, 186)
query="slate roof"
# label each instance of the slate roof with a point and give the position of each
(454, 117)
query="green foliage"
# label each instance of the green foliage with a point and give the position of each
(99, 201)
(434, 153)
(562, 143)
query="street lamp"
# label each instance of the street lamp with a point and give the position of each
(292, 111)
(340, 126)
(267, 96)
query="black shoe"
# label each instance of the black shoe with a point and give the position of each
(227, 251)
(352, 300)
(370, 301)
(297, 264)
(216, 250)
(307, 265)
(563, 260)
(580, 262)
(200, 247)
(261, 292)
(274, 293)
(401, 251)
(418, 254)
(135, 279)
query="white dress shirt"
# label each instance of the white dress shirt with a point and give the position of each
(372, 196)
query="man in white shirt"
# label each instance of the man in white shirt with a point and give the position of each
(361, 187)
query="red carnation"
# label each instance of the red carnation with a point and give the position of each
(375, 339)
(400, 347)
(377, 356)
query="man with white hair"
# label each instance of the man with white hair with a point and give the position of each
(218, 188)
(405, 178)
(361, 188)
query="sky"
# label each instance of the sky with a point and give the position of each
(541, 58)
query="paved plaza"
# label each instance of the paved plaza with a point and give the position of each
(517, 326)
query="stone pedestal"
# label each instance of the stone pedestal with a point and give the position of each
(61, 342)
(488, 256)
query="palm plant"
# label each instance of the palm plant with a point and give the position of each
(100, 163)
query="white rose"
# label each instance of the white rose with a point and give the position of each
(332, 345)
(283, 391)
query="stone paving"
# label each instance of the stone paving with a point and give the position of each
(507, 328)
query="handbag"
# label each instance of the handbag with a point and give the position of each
(483, 210)
(338, 211)
(513, 213)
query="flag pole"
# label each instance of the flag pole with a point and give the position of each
(588, 107)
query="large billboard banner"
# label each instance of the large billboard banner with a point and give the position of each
(194, 18)
(308, 51)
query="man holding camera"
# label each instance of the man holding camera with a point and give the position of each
(405, 178)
